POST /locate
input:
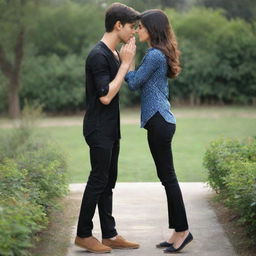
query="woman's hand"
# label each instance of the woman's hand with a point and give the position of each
(127, 52)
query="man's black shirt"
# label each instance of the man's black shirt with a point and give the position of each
(101, 68)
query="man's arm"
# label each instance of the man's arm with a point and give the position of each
(127, 53)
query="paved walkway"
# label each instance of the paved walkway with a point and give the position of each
(140, 211)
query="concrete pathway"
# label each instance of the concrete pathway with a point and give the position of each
(140, 211)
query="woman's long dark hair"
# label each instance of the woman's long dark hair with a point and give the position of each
(163, 38)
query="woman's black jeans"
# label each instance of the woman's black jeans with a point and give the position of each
(160, 134)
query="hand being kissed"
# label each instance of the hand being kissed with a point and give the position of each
(127, 51)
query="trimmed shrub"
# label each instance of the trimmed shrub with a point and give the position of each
(232, 172)
(241, 187)
(217, 160)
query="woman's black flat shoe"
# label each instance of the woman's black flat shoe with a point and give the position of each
(163, 245)
(171, 249)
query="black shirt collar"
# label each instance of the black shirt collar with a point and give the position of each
(106, 48)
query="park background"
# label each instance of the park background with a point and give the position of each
(43, 47)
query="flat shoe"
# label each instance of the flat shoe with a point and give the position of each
(163, 245)
(171, 249)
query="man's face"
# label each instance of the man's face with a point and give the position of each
(127, 32)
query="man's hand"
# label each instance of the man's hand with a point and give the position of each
(127, 53)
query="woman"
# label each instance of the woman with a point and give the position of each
(160, 62)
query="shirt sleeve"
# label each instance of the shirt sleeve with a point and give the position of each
(150, 63)
(100, 70)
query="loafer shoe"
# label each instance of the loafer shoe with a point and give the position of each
(92, 244)
(120, 243)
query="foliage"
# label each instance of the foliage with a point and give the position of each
(74, 34)
(16, 19)
(218, 157)
(33, 176)
(234, 8)
(241, 187)
(19, 220)
(217, 58)
(45, 171)
(232, 172)
(218, 55)
(54, 82)
(221, 154)
(13, 15)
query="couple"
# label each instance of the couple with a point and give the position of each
(106, 69)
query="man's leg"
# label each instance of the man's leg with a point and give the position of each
(107, 221)
(98, 179)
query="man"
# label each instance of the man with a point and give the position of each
(105, 71)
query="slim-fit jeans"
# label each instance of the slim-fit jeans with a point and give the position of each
(104, 160)
(160, 134)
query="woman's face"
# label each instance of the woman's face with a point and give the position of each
(143, 33)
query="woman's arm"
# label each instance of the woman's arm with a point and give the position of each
(151, 62)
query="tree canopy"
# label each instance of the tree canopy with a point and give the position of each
(43, 46)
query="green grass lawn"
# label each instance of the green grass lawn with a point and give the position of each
(194, 132)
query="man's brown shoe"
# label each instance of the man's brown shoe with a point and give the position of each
(120, 243)
(92, 244)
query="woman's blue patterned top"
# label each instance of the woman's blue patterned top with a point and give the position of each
(151, 79)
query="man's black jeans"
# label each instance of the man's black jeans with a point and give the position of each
(160, 134)
(104, 157)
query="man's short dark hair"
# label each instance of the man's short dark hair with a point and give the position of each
(119, 12)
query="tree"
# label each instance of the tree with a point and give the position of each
(15, 20)
(218, 58)
(234, 8)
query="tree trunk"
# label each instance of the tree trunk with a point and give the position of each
(12, 73)
(192, 99)
(13, 99)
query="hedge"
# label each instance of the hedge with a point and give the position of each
(231, 169)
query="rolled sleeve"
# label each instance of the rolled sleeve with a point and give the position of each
(128, 78)
(101, 75)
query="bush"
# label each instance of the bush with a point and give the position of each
(20, 217)
(54, 82)
(218, 157)
(19, 221)
(241, 187)
(33, 176)
(46, 171)
(232, 173)
(12, 179)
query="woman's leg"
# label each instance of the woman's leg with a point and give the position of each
(160, 135)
